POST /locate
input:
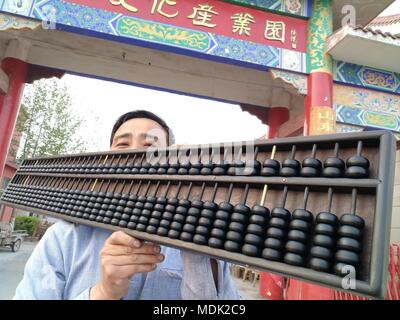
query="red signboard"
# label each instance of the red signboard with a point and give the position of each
(215, 17)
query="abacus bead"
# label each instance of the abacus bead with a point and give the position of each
(271, 254)
(278, 223)
(205, 222)
(352, 220)
(239, 217)
(256, 229)
(356, 172)
(349, 257)
(295, 247)
(288, 172)
(191, 220)
(200, 239)
(302, 214)
(151, 229)
(334, 162)
(323, 241)
(251, 250)
(294, 259)
(358, 161)
(232, 246)
(310, 172)
(342, 269)
(280, 213)
(331, 172)
(189, 228)
(173, 234)
(257, 219)
(185, 236)
(320, 264)
(216, 243)
(321, 252)
(221, 224)
(350, 232)
(218, 233)
(349, 244)
(234, 236)
(179, 218)
(327, 217)
(275, 233)
(163, 232)
(274, 243)
(260, 210)
(176, 225)
(202, 230)
(301, 225)
(326, 229)
(253, 239)
(206, 213)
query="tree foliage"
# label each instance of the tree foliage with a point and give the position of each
(47, 121)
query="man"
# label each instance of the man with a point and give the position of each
(81, 262)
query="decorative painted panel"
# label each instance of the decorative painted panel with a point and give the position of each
(298, 81)
(281, 46)
(366, 77)
(294, 7)
(362, 107)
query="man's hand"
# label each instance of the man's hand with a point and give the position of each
(121, 257)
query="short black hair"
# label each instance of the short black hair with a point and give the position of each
(142, 114)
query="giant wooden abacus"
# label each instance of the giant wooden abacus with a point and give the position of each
(312, 208)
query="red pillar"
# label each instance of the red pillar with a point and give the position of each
(9, 104)
(276, 117)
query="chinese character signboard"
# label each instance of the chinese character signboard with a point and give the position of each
(221, 30)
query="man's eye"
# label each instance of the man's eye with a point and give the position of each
(122, 145)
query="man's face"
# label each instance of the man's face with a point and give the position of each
(138, 134)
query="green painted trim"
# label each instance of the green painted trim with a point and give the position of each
(305, 16)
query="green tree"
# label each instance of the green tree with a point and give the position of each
(50, 126)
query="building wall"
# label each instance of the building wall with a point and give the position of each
(353, 106)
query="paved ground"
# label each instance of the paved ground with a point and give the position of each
(12, 268)
(247, 290)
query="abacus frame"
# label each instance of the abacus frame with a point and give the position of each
(382, 187)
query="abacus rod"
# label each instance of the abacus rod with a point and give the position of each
(178, 190)
(293, 154)
(330, 197)
(245, 193)
(131, 186)
(264, 195)
(202, 190)
(157, 187)
(336, 151)
(284, 196)
(115, 187)
(359, 147)
(306, 194)
(139, 186)
(353, 201)
(148, 188)
(273, 152)
(314, 150)
(214, 192)
(189, 190)
(256, 153)
(230, 191)
(167, 189)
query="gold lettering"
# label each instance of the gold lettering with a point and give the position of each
(158, 7)
(202, 15)
(242, 23)
(124, 4)
(275, 30)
